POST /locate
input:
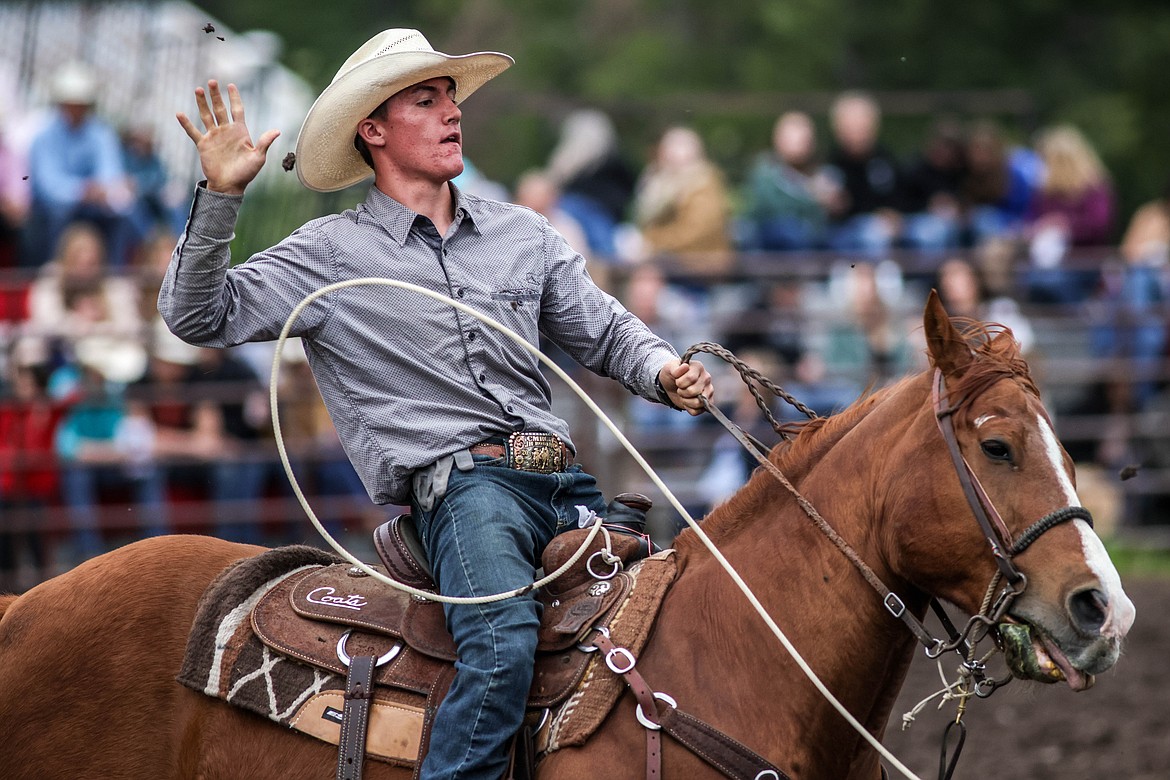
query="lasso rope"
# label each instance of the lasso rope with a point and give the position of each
(601, 415)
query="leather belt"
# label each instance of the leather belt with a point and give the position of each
(535, 451)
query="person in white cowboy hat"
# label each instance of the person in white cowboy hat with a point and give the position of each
(75, 171)
(432, 407)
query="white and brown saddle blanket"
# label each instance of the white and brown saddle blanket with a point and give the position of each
(273, 634)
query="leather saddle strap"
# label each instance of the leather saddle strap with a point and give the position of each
(730, 757)
(355, 717)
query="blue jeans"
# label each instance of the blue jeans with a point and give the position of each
(484, 537)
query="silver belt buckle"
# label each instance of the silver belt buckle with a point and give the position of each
(536, 451)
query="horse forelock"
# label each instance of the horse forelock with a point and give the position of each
(996, 356)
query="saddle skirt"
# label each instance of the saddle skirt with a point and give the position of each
(276, 639)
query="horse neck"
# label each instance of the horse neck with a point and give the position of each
(818, 598)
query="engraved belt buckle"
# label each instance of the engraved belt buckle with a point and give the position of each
(536, 451)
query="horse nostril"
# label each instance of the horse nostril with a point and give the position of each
(1089, 609)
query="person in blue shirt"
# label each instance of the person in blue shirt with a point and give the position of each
(76, 172)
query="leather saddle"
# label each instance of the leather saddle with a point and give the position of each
(325, 615)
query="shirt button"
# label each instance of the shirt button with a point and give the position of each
(471, 335)
(458, 292)
(483, 377)
(510, 409)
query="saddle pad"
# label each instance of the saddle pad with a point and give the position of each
(224, 659)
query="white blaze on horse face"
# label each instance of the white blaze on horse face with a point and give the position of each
(1121, 610)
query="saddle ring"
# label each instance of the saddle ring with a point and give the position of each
(593, 648)
(616, 563)
(646, 721)
(343, 656)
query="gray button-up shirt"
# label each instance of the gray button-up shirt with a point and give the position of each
(408, 379)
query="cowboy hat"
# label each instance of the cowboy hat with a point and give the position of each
(74, 84)
(386, 64)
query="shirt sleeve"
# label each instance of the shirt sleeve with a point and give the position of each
(207, 302)
(593, 327)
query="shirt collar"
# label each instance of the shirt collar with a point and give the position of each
(398, 219)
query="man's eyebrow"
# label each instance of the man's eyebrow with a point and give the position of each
(430, 88)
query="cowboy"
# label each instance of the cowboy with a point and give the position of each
(432, 407)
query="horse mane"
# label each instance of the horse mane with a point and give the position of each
(996, 355)
(794, 457)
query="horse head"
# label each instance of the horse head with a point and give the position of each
(1055, 598)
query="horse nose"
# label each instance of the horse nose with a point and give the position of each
(1089, 609)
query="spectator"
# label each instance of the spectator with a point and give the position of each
(865, 219)
(1074, 207)
(1128, 326)
(14, 201)
(675, 314)
(152, 209)
(28, 471)
(76, 305)
(998, 184)
(241, 468)
(1147, 236)
(596, 182)
(930, 190)
(186, 425)
(865, 342)
(788, 195)
(76, 172)
(537, 190)
(681, 204)
(100, 446)
(150, 266)
(964, 294)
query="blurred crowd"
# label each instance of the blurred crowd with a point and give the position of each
(100, 405)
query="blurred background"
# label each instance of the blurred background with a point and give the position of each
(788, 179)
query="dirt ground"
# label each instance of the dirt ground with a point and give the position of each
(1119, 729)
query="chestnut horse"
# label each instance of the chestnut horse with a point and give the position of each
(88, 659)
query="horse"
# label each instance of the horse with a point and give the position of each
(88, 659)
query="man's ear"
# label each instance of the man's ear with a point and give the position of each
(371, 133)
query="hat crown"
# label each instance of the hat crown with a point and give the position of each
(398, 40)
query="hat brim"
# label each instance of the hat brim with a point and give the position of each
(326, 159)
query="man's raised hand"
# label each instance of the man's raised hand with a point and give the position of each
(229, 158)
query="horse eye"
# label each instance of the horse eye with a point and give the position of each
(995, 449)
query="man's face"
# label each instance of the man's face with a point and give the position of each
(422, 132)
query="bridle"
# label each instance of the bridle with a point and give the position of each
(1003, 547)
(995, 530)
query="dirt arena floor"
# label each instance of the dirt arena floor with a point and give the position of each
(1117, 730)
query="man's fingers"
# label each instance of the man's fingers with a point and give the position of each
(237, 103)
(204, 109)
(266, 140)
(217, 105)
(189, 127)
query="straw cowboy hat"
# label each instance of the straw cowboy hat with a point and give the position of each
(387, 63)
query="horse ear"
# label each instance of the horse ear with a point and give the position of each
(948, 350)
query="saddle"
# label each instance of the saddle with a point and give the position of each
(395, 652)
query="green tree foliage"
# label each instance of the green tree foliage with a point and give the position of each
(728, 67)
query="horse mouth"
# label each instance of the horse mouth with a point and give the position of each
(1033, 655)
